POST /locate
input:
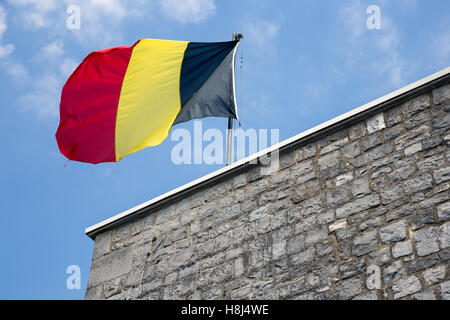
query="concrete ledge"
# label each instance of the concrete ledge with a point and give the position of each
(392, 99)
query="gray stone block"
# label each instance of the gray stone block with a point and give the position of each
(360, 187)
(444, 235)
(357, 131)
(316, 236)
(441, 94)
(427, 241)
(441, 124)
(337, 197)
(441, 175)
(434, 275)
(443, 211)
(418, 183)
(352, 268)
(365, 243)
(424, 295)
(371, 141)
(401, 249)
(358, 205)
(393, 232)
(405, 287)
(102, 244)
(445, 290)
(111, 266)
(393, 272)
(375, 123)
(369, 296)
(423, 263)
(348, 288)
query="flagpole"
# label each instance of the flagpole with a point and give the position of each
(230, 120)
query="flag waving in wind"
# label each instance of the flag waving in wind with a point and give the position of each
(124, 99)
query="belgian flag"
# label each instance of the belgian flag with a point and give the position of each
(124, 99)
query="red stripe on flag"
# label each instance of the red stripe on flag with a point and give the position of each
(88, 106)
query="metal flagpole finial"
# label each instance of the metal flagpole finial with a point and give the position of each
(237, 36)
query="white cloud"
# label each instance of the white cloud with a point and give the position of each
(352, 17)
(16, 70)
(187, 11)
(5, 50)
(67, 66)
(44, 97)
(260, 32)
(54, 49)
(36, 14)
(380, 47)
(100, 19)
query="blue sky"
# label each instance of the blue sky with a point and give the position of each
(305, 62)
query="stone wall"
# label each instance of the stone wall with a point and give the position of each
(362, 213)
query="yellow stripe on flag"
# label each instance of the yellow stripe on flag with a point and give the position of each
(150, 96)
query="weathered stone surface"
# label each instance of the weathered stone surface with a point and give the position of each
(359, 213)
(393, 272)
(401, 249)
(404, 287)
(337, 197)
(393, 232)
(371, 141)
(441, 124)
(352, 268)
(424, 295)
(444, 235)
(349, 288)
(380, 257)
(102, 244)
(412, 136)
(357, 131)
(393, 116)
(111, 266)
(305, 191)
(427, 241)
(441, 175)
(392, 133)
(365, 243)
(400, 212)
(443, 211)
(371, 155)
(340, 224)
(360, 187)
(441, 94)
(391, 193)
(316, 235)
(368, 296)
(358, 205)
(419, 183)
(432, 142)
(334, 145)
(94, 293)
(375, 123)
(434, 275)
(445, 290)
(423, 263)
